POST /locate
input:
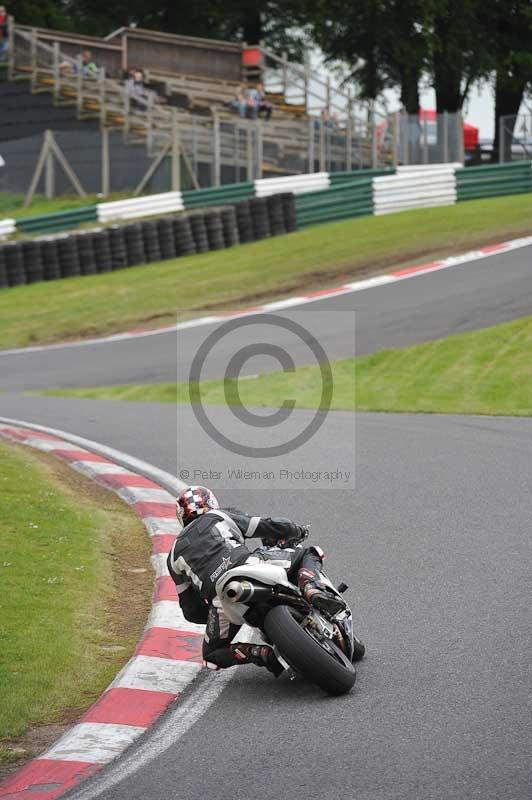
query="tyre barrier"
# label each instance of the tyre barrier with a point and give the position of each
(215, 231)
(199, 232)
(31, 254)
(150, 236)
(87, 258)
(244, 221)
(50, 257)
(116, 247)
(230, 226)
(3, 274)
(16, 274)
(68, 256)
(183, 236)
(258, 207)
(102, 250)
(134, 244)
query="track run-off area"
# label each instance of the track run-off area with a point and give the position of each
(433, 539)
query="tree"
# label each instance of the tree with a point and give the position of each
(382, 43)
(509, 28)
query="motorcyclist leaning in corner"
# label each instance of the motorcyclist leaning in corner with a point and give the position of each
(212, 542)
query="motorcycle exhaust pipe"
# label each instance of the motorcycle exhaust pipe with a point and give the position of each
(242, 591)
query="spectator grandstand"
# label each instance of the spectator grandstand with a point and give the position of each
(183, 89)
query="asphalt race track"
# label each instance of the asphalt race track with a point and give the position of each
(468, 297)
(434, 542)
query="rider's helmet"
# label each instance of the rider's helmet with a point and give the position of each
(193, 501)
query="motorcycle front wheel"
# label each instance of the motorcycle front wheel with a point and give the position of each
(320, 662)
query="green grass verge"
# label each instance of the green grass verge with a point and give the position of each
(484, 372)
(154, 295)
(67, 622)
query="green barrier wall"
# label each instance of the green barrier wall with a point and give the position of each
(494, 180)
(358, 174)
(348, 199)
(218, 196)
(59, 220)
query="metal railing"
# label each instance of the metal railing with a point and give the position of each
(515, 138)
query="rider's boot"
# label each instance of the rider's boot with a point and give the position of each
(317, 593)
(259, 654)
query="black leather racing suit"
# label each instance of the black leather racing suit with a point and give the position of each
(209, 546)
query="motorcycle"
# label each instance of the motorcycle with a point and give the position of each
(319, 647)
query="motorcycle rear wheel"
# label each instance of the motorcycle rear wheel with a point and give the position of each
(327, 668)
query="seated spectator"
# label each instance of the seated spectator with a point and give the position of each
(88, 68)
(241, 101)
(3, 33)
(136, 87)
(326, 120)
(260, 104)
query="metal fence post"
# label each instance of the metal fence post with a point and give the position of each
(176, 164)
(10, 48)
(395, 138)
(106, 170)
(57, 72)
(425, 141)
(322, 147)
(311, 145)
(446, 158)
(49, 176)
(259, 150)
(502, 134)
(249, 153)
(285, 74)
(217, 161)
(33, 59)
(461, 144)
(79, 86)
(373, 134)
(101, 92)
(349, 131)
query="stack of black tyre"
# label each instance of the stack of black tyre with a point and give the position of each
(119, 246)
(167, 241)
(199, 231)
(87, 256)
(134, 244)
(244, 221)
(14, 264)
(184, 240)
(230, 226)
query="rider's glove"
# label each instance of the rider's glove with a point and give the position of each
(293, 541)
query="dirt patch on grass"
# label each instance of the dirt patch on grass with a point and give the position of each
(127, 551)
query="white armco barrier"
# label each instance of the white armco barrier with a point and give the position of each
(417, 189)
(428, 167)
(7, 226)
(141, 206)
(292, 183)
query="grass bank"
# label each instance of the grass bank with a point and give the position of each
(484, 372)
(71, 610)
(156, 294)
